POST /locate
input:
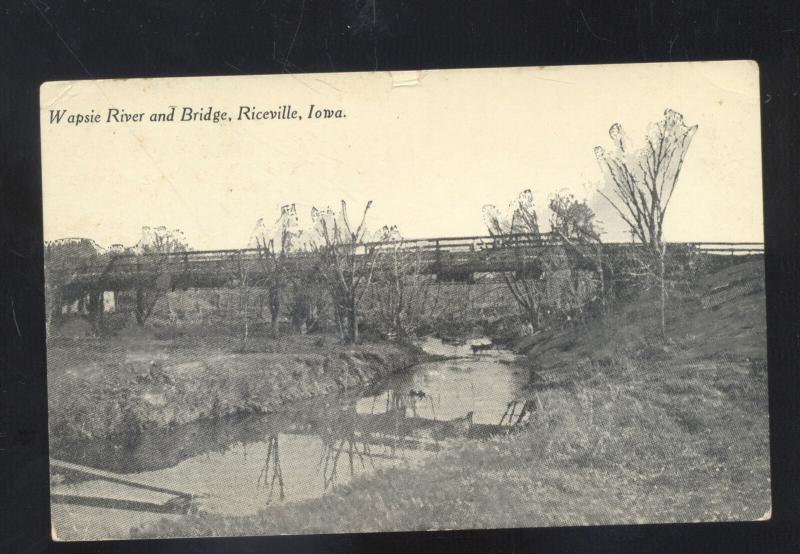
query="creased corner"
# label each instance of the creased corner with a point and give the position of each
(57, 97)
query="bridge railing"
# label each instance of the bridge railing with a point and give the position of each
(439, 249)
(474, 243)
(471, 243)
(730, 248)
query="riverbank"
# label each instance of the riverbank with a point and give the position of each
(601, 453)
(116, 387)
(630, 430)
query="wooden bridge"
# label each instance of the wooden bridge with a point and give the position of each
(448, 258)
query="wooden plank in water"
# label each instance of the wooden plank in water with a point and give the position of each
(178, 505)
(114, 478)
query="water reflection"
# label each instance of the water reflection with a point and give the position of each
(242, 463)
(339, 435)
(273, 456)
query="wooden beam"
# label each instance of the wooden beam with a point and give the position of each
(114, 478)
(168, 507)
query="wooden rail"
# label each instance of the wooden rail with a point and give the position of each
(439, 255)
(180, 502)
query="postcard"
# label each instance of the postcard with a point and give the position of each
(396, 301)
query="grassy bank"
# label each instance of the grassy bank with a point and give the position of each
(600, 453)
(630, 431)
(118, 386)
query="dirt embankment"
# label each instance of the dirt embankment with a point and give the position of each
(100, 388)
(725, 315)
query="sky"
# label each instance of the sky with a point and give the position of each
(430, 149)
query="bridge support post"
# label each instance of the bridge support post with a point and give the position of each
(95, 309)
(55, 305)
(139, 307)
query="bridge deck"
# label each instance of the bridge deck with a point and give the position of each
(217, 268)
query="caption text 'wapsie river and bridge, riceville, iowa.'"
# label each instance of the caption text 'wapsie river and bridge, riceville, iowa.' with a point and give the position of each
(188, 114)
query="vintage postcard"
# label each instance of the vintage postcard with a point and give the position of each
(365, 302)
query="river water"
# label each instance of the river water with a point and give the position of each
(240, 464)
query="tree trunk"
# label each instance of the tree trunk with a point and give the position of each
(275, 323)
(95, 310)
(661, 271)
(54, 301)
(274, 310)
(243, 302)
(533, 317)
(139, 308)
(337, 315)
(398, 327)
(352, 319)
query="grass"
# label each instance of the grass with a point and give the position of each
(119, 386)
(631, 431)
(599, 453)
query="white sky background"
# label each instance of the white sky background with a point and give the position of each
(429, 156)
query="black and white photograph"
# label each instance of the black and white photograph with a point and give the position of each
(405, 301)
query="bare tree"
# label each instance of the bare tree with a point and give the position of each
(242, 268)
(156, 247)
(273, 250)
(347, 263)
(573, 222)
(521, 225)
(398, 297)
(643, 181)
(572, 219)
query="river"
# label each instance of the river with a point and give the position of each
(238, 465)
